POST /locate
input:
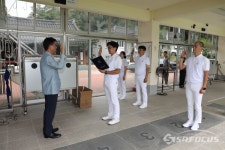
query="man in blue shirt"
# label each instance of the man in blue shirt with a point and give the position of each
(51, 83)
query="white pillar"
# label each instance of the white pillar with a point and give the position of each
(149, 33)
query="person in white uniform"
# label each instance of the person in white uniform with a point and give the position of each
(197, 70)
(122, 76)
(111, 83)
(142, 68)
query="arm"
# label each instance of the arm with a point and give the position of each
(60, 64)
(118, 64)
(100, 50)
(205, 81)
(125, 72)
(116, 71)
(168, 64)
(62, 50)
(147, 72)
(181, 62)
(132, 56)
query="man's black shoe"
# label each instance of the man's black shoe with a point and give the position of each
(53, 135)
(55, 130)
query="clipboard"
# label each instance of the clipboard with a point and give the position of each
(100, 63)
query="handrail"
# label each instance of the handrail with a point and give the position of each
(23, 45)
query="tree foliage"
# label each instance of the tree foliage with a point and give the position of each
(46, 12)
(98, 22)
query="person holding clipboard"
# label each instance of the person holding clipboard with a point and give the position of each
(111, 82)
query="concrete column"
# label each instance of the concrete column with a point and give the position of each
(3, 14)
(149, 33)
(220, 58)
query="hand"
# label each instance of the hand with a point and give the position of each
(145, 80)
(102, 71)
(184, 53)
(132, 51)
(62, 51)
(100, 50)
(202, 91)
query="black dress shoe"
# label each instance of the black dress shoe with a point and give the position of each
(53, 135)
(55, 130)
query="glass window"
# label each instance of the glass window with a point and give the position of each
(194, 36)
(118, 25)
(99, 23)
(166, 34)
(215, 40)
(77, 20)
(132, 28)
(180, 36)
(79, 47)
(3, 14)
(206, 39)
(19, 14)
(47, 17)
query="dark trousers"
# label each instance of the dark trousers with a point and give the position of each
(49, 113)
(182, 77)
(166, 75)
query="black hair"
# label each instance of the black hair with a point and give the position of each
(113, 44)
(47, 42)
(124, 54)
(142, 47)
(165, 52)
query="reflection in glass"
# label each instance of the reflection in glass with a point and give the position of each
(166, 34)
(79, 47)
(118, 25)
(132, 28)
(180, 36)
(19, 14)
(206, 39)
(194, 36)
(47, 17)
(99, 23)
(77, 20)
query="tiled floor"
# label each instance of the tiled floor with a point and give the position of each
(77, 125)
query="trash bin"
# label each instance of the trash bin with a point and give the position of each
(84, 97)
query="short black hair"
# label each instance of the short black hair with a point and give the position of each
(48, 41)
(142, 47)
(165, 52)
(124, 54)
(113, 44)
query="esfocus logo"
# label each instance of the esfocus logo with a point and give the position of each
(206, 138)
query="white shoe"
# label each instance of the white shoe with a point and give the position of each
(195, 127)
(136, 103)
(122, 98)
(188, 124)
(114, 121)
(107, 118)
(143, 106)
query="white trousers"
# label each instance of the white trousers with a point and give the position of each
(141, 89)
(122, 87)
(112, 98)
(194, 102)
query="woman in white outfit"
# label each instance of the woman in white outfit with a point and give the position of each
(122, 76)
